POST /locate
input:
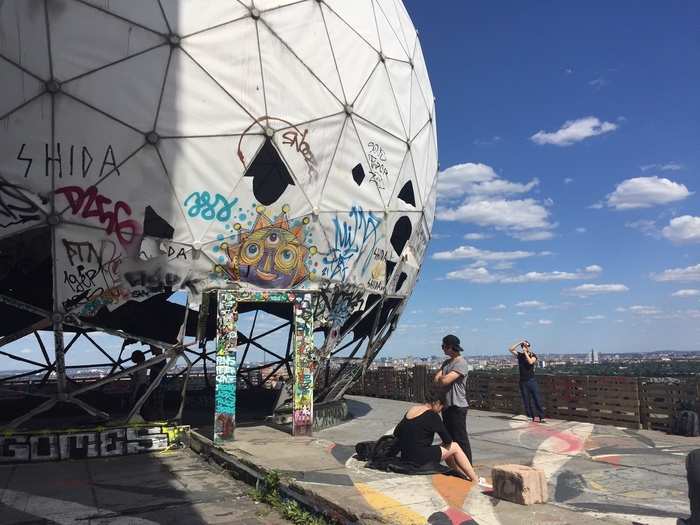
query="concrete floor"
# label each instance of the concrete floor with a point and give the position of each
(596, 474)
(172, 488)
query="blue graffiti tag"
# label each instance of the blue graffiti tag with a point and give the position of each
(352, 236)
(203, 207)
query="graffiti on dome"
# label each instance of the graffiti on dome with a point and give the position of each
(378, 172)
(272, 253)
(354, 242)
(209, 207)
(68, 160)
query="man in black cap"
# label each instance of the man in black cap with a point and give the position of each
(453, 376)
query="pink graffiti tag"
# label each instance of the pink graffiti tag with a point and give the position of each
(93, 204)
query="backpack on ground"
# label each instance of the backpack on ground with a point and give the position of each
(385, 447)
(686, 423)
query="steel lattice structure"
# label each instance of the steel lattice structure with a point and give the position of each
(160, 146)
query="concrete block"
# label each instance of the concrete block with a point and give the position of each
(519, 484)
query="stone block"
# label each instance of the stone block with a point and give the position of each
(519, 484)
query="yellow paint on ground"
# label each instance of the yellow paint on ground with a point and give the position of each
(388, 507)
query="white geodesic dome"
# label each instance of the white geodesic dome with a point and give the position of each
(156, 145)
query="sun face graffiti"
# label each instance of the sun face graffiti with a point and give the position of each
(272, 254)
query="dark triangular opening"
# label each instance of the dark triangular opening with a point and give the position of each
(156, 226)
(270, 175)
(358, 174)
(399, 282)
(401, 234)
(390, 265)
(406, 194)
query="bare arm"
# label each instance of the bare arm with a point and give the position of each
(512, 348)
(531, 358)
(447, 379)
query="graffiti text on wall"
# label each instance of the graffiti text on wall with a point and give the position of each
(87, 444)
(304, 365)
(15, 207)
(377, 165)
(87, 203)
(357, 235)
(69, 160)
(226, 341)
(208, 207)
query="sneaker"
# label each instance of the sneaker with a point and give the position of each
(542, 420)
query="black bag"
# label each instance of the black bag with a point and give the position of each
(385, 447)
(686, 423)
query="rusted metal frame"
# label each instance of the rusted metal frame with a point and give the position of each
(90, 409)
(260, 336)
(80, 323)
(21, 305)
(43, 348)
(259, 346)
(247, 345)
(47, 375)
(59, 354)
(183, 392)
(73, 340)
(260, 367)
(114, 363)
(19, 334)
(153, 385)
(17, 376)
(279, 365)
(40, 366)
(288, 353)
(46, 405)
(346, 363)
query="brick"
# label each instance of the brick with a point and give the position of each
(519, 484)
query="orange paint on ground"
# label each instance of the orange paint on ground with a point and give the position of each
(573, 442)
(453, 490)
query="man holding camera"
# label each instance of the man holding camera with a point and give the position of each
(528, 384)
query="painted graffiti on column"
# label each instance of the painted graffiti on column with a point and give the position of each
(304, 365)
(15, 206)
(226, 342)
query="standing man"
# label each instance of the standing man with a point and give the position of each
(528, 384)
(692, 465)
(453, 376)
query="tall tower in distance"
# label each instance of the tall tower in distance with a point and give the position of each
(594, 357)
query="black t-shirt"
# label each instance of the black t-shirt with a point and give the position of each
(527, 370)
(418, 433)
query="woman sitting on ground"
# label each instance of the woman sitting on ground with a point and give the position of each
(417, 429)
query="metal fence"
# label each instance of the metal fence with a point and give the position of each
(633, 402)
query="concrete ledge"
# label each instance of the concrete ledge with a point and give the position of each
(253, 475)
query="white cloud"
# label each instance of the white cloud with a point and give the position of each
(684, 229)
(544, 322)
(530, 304)
(470, 252)
(598, 82)
(568, 180)
(520, 313)
(573, 131)
(647, 227)
(455, 309)
(594, 317)
(493, 319)
(587, 290)
(581, 230)
(687, 292)
(514, 215)
(477, 179)
(475, 236)
(488, 142)
(26, 351)
(620, 309)
(537, 235)
(644, 310)
(688, 274)
(499, 307)
(644, 192)
(482, 275)
(669, 166)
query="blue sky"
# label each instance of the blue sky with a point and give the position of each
(575, 123)
(569, 136)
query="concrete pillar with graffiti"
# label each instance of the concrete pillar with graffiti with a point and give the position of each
(226, 342)
(304, 365)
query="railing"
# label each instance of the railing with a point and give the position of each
(633, 402)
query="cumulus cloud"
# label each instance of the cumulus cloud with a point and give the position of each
(647, 227)
(499, 307)
(688, 274)
(645, 192)
(26, 351)
(684, 229)
(587, 290)
(474, 193)
(568, 180)
(686, 292)
(541, 235)
(477, 179)
(484, 276)
(594, 317)
(545, 322)
(581, 230)
(573, 131)
(455, 309)
(530, 304)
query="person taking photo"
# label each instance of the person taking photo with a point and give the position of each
(528, 384)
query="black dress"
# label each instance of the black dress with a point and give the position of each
(416, 437)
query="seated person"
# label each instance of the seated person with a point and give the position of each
(417, 429)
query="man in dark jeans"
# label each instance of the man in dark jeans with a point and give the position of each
(453, 374)
(692, 465)
(529, 390)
